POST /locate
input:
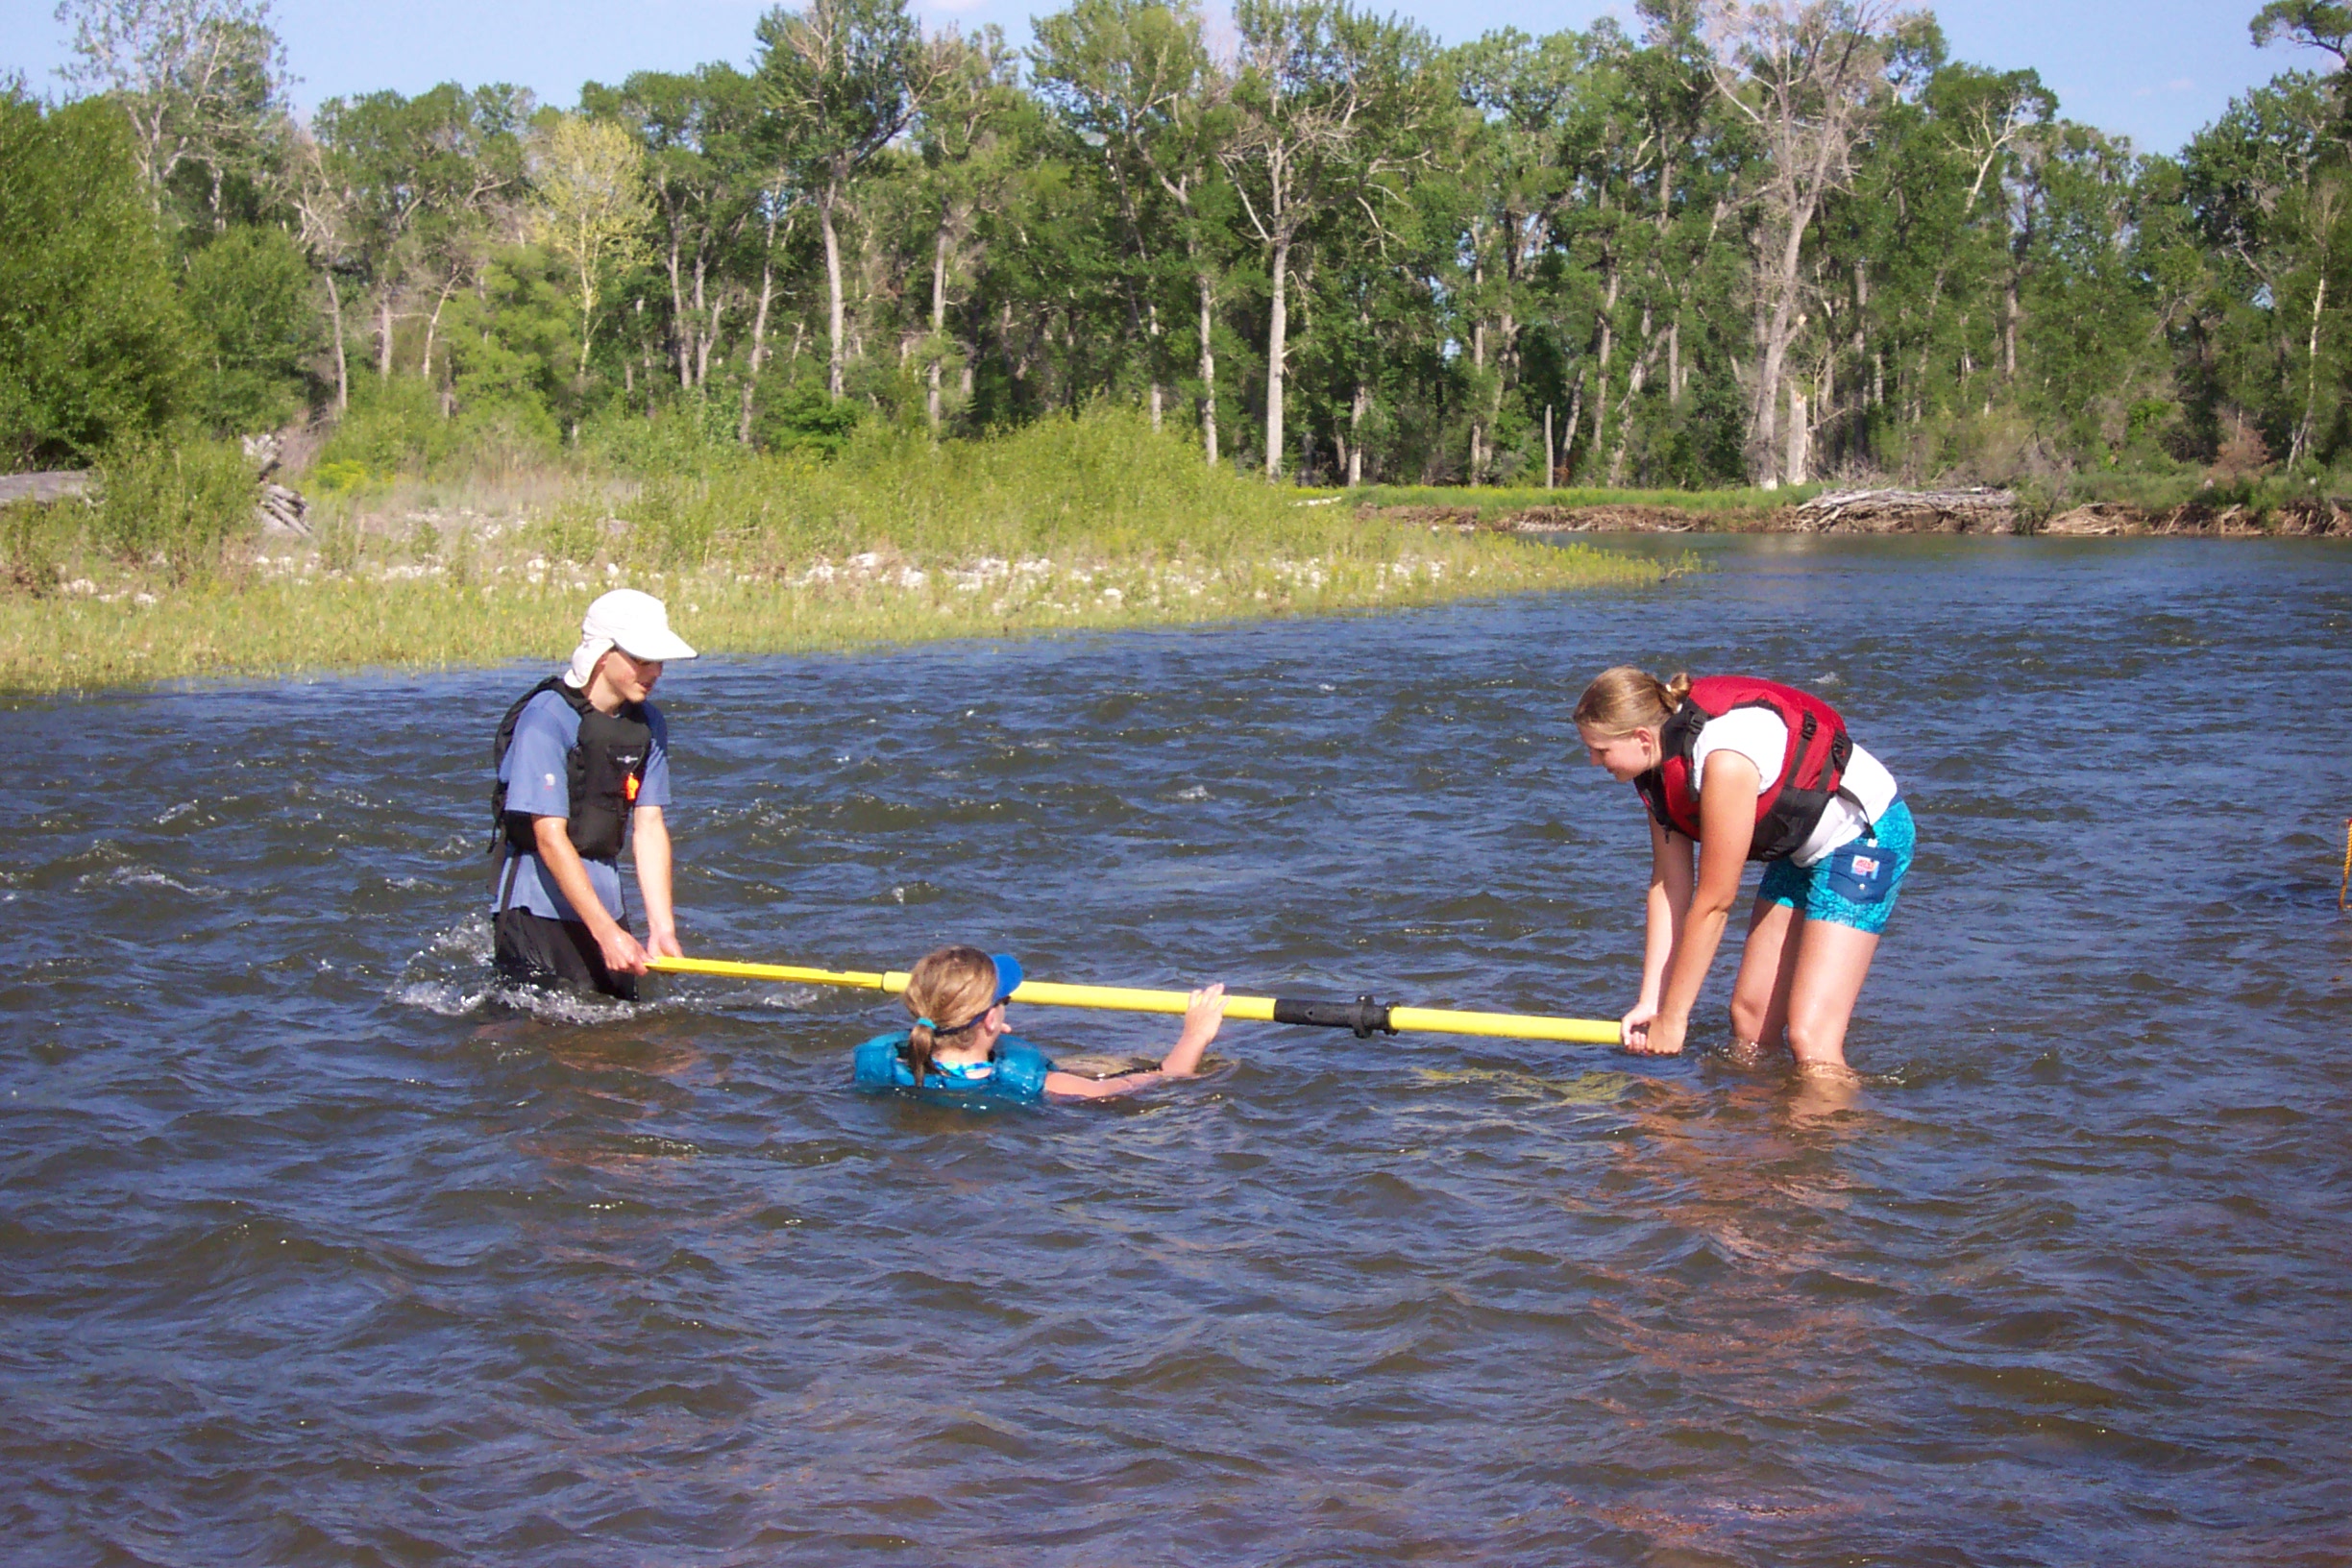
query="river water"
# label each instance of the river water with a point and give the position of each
(313, 1251)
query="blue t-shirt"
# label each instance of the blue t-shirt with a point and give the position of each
(1015, 1070)
(538, 780)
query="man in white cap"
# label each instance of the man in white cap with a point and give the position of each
(583, 759)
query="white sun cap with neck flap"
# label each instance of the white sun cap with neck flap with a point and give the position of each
(632, 622)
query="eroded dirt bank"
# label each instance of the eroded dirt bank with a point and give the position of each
(1895, 511)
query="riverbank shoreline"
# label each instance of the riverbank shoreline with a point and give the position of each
(1087, 524)
(1880, 512)
(289, 614)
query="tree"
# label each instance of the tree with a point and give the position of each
(1804, 74)
(2315, 24)
(203, 82)
(248, 296)
(966, 158)
(415, 184)
(1132, 82)
(703, 171)
(848, 76)
(1327, 101)
(589, 205)
(93, 346)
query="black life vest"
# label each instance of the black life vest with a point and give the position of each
(605, 767)
(1788, 807)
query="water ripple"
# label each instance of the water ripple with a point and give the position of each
(317, 1244)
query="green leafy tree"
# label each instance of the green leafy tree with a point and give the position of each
(203, 82)
(93, 344)
(249, 302)
(846, 77)
(588, 206)
(1332, 107)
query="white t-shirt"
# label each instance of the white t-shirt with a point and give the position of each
(1758, 735)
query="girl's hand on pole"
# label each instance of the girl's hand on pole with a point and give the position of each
(1203, 1018)
(1661, 1037)
(1634, 1029)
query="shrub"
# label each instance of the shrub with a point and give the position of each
(33, 536)
(803, 419)
(186, 503)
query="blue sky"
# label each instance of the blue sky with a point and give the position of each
(2154, 70)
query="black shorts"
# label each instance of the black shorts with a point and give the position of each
(533, 951)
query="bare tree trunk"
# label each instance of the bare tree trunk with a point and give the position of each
(678, 316)
(1828, 404)
(1639, 378)
(1548, 464)
(759, 336)
(1798, 430)
(334, 309)
(709, 332)
(833, 292)
(1360, 405)
(384, 338)
(1207, 368)
(2311, 397)
(1478, 367)
(939, 322)
(1157, 390)
(432, 328)
(1278, 331)
(1608, 341)
(1673, 363)
(2009, 332)
(1575, 415)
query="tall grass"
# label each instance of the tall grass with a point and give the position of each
(1091, 523)
(179, 506)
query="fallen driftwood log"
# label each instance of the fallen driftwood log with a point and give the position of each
(284, 511)
(281, 508)
(1910, 512)
(56, 485)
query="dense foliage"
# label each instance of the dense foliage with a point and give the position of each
(1757, 243)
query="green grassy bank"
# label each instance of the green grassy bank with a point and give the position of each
(1090, 522)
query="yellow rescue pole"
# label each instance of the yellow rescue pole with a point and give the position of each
(1364, 1016)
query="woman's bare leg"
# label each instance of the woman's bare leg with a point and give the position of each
(1768, 963)
(1832, 961)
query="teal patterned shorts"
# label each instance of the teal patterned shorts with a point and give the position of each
(1854, 885)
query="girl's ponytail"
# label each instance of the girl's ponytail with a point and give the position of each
(921, 1041)
(1624, 699)
(951, 984)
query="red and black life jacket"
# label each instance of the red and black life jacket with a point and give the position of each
(1789, 807)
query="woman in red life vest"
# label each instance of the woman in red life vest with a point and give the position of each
(1769, 771)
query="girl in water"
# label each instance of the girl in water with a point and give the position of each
(960, 1042)
(1735, 763)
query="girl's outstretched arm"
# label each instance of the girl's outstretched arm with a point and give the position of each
(1201, 1019)
(1726, 817)
(1670, 874)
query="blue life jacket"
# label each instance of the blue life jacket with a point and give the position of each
(1016, 1072)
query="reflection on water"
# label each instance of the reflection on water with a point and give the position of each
(315, 1248)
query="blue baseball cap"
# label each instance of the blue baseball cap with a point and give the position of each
(1008, 975)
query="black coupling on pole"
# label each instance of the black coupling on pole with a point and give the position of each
(1364, 1016)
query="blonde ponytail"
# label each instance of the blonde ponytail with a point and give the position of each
(1624, 699)
(947, 991)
